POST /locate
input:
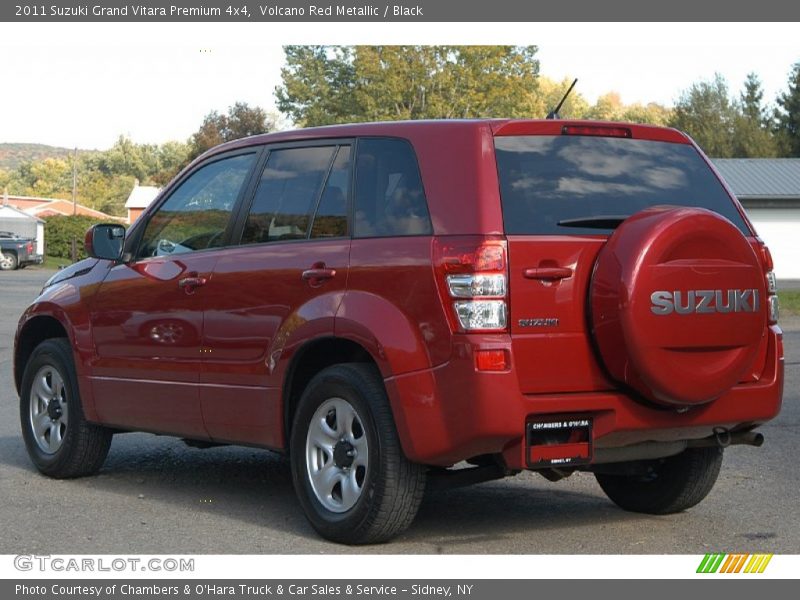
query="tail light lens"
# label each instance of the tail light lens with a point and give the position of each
(772, 286)
(472, 273)
(492, 360)
(596, 130)
(772, 298)
(481, 315)
(476, 286)
(30, 247)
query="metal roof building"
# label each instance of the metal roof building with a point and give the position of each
(769, 190)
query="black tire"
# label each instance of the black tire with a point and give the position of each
(392, 487)
(8, 262)
(670, 485)
(83, 446)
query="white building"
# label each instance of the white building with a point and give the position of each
(140, 198)
(769, 190)
(24, 225)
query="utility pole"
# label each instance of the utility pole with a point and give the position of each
(75, 182)
(74, 248)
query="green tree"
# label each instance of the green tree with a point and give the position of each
(752, 135)
(706, 112)
(549, 93)
(318, 85)
(787, 115)
(172, 157)
(48, 178)
(651, 113)
(60, 231)
(752, 99)
(242, 120)
(323, 85)
(105, 178)
(608, 107)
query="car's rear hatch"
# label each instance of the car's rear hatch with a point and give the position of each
(564, 187)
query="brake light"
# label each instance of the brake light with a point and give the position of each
(766, 258)
(472, 274)
(30, 247)
(596, 130)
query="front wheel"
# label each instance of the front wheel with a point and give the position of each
(350, 474)
(60, 441)
(668, 485)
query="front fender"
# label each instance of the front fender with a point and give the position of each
(65, 301)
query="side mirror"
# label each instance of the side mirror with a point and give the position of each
(104, 241)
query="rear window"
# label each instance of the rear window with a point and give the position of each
(547, 181)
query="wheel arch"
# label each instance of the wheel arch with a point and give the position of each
(36, 330)
(311, 358)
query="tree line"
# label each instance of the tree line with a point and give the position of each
(323, 85)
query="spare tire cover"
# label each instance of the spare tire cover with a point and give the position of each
(677, 303)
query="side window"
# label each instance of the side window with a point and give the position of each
(331, 217)
(196, 215)
(390, 200)
(287, 194)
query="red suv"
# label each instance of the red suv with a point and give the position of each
(384, 301)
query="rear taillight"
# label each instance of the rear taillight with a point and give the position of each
(772, 286)
(30, 247)
(472, 274)
(772, 298)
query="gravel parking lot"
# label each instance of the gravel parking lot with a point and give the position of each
(157, 496)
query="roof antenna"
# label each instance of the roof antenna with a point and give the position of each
(553, 114)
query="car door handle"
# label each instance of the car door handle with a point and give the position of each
(547, 273)
(318, 274)
(188, 284)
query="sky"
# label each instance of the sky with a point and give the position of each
(83, 85)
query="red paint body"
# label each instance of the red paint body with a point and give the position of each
(214, 362)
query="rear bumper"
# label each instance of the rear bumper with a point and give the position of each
(453, 412)
(32, 259)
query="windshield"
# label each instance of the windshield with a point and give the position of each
(586, 184)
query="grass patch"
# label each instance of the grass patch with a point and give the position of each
(789, 302)
(54, 263)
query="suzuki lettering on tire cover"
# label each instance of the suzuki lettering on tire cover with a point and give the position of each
(677, 305)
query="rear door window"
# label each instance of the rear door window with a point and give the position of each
(552, 184)
(287, 194)
(331, 216)
(390, 199)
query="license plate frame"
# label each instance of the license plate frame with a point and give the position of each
(558, 441)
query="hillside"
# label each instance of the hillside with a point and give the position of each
(13, 155)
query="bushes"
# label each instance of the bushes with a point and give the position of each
(60, 231)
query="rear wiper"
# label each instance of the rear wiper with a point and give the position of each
(595, 222)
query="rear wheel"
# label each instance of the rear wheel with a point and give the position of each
(60, 442)
(348, 469)
(8, 261)
(668, 485)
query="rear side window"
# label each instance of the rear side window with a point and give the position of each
(287, 194)
(548, 181)
(390, 200)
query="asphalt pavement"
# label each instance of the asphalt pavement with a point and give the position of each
(157, 496)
